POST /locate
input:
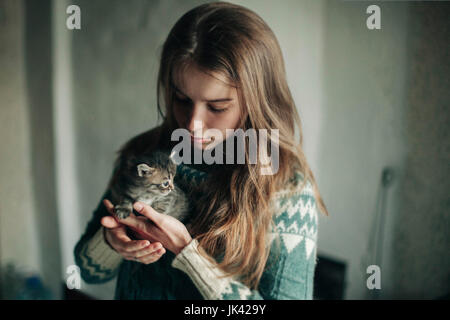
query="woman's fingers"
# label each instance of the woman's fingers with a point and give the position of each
(136, 223)
(124, 244)
(109, 222)
(134, 246)
(152, 257)
(156, 246)
(140, 207)
(141, 226)
(109, 206)
(148, 211)
(149, 254)
(148, 226)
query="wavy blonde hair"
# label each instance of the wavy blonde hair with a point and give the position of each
(232, 40)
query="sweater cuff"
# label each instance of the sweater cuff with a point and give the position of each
(101, 252)
(208, 278)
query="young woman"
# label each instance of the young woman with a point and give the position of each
(251, 235)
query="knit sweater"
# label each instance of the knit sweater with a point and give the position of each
(288, 273)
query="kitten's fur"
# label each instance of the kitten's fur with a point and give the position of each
(148, 178)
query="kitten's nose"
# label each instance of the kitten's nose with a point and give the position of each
(171, 187)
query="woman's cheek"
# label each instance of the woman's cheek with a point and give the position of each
(227, 121)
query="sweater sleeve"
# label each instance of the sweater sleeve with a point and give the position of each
(289, 271)
(98, 261)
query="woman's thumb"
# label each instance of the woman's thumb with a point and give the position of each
(109, 222)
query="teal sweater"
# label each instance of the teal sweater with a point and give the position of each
(288, 274)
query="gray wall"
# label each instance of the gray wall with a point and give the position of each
(28, 216)
(363, 131)
(18, 244)
(386, 104)
(421, 243)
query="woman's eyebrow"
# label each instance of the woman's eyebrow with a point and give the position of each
(220, 100)
(214, 100)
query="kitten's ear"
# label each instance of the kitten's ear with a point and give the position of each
(144, 170)
(172, 157)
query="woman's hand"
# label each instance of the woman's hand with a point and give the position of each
(135, 250)
(154, 226)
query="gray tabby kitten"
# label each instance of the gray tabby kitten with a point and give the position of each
(148, 178)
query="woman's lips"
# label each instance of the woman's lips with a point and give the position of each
(200, 140)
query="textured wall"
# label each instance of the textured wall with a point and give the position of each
(362, 132)
(38, 59)
(29, 225)
(386, 104)
(17, 215)
(422, 227)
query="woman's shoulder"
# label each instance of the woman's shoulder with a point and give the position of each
(296, 184)
(295, 214)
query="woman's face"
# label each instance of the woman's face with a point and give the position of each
(201, 97)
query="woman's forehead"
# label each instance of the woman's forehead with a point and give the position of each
(200, 85)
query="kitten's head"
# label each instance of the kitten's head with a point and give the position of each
(156, 171)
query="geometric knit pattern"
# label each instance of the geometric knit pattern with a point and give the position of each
(289, 272)
(291, 277)
(98, 262)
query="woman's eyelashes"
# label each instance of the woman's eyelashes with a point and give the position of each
(188, 103)
(216, 110)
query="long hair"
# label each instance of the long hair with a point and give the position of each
(234, 221)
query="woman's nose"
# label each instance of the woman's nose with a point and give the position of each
(195, 120)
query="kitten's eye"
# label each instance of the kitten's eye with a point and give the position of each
(165, 184)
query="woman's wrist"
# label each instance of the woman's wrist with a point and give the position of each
(186, 242)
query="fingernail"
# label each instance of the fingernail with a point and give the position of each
(145, 243)
(138, 206)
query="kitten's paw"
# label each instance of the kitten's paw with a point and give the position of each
(121, 212)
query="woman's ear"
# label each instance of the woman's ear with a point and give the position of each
(144, 170)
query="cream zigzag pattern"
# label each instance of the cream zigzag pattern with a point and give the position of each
(291, 233)
(292, 240)
(243, 291)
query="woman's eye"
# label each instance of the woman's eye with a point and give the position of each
(187, 102)
(217, 110)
